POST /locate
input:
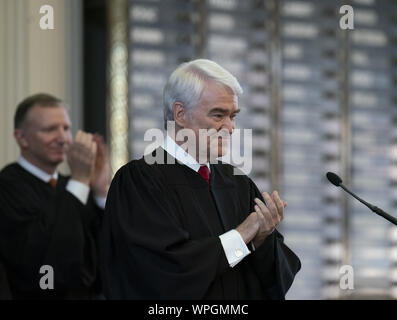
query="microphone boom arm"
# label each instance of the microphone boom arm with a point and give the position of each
(375, 209)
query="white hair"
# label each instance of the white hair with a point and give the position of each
(187, 82)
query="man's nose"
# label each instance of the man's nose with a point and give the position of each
(62, 135)
(228, 125)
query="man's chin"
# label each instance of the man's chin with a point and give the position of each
(223, 148)
(56, 160)
(222, 153)
(216, 154)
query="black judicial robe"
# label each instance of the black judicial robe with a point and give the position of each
(160, 236)
(41, 225)
(5, 293)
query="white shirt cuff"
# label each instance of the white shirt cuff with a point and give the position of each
(101, 202)
(234, 247)
(79, 190)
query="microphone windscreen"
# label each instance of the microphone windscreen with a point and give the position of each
(334, 179)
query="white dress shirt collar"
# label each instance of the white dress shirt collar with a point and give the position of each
(181, 155)
(37, 172)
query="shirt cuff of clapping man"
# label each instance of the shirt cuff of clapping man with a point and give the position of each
(81, 192)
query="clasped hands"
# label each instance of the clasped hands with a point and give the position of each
(262, 222)
(89, 162)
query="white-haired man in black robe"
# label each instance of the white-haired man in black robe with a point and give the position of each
(178, 226)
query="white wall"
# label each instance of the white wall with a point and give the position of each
(34, 60)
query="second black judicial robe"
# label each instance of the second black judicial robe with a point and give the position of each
(41, 225)
(5, 293)
(160, 236)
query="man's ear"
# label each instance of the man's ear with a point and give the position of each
(180, 114)
(19, 135)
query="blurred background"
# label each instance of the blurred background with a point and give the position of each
(318, 99)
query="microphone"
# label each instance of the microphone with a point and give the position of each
(337, 181)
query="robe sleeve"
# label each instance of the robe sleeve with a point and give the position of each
(147, 253)
(37, 230)
(274, 263)
(5, 293)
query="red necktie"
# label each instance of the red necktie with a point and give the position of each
(205, 173)
(53, 182)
